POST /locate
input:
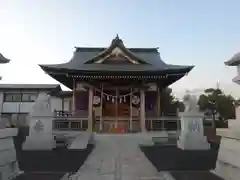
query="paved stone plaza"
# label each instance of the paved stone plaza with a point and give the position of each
(118, 157)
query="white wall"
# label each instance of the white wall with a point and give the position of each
(25, 107)
(16, 107)
(56, 104)
(66, 106)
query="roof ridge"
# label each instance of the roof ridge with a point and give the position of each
(103, 48)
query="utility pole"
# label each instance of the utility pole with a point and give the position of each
(218, 85)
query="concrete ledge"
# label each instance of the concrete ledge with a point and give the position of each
(227, 171)
(229, 133)
(81, 141)
(8, 132)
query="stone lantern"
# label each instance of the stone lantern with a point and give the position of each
(228, 163)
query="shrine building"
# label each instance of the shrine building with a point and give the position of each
(115, 88)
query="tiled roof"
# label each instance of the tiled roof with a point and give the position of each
(29, 86)
(83, 55)
(234, 61)
(3, 59)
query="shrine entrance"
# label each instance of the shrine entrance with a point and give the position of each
(113, 109)
(116, 116)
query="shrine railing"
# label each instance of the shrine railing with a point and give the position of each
(75, 120)
(70, 124)
(78, 120)
(78, 113)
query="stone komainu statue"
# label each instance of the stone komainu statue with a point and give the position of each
(190, 103)
(41, 106)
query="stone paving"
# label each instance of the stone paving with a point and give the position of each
(118, 157)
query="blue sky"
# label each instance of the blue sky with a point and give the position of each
(202, 33)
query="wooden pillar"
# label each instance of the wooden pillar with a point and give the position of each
(131, 110)
(116, 109)
(142, 110)
(158, 109)
(90, 109)
(74, 97)
(101, 110)
(159, 114)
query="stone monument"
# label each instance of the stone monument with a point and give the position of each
(228, 162)
(192, 134)
(40, 122)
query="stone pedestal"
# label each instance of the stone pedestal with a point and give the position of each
(8, 161)
(192, 137)
(40, 122)
(228, 162)
(40, 136)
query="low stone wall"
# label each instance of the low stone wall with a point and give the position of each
(170, 158)
(8, 160)
(62, 160)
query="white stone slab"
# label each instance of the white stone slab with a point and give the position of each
(230, 144)
(6, 143)
(8, 132)
(227, 171)
(7, 156)
(229, 151)
(81, 141)
(228, 162)
(9, 171)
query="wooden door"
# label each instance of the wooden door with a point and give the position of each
(122, 110)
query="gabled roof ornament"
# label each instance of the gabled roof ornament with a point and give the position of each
(116, 48)
(117, 40)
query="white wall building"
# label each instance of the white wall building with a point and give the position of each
(16, 100)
